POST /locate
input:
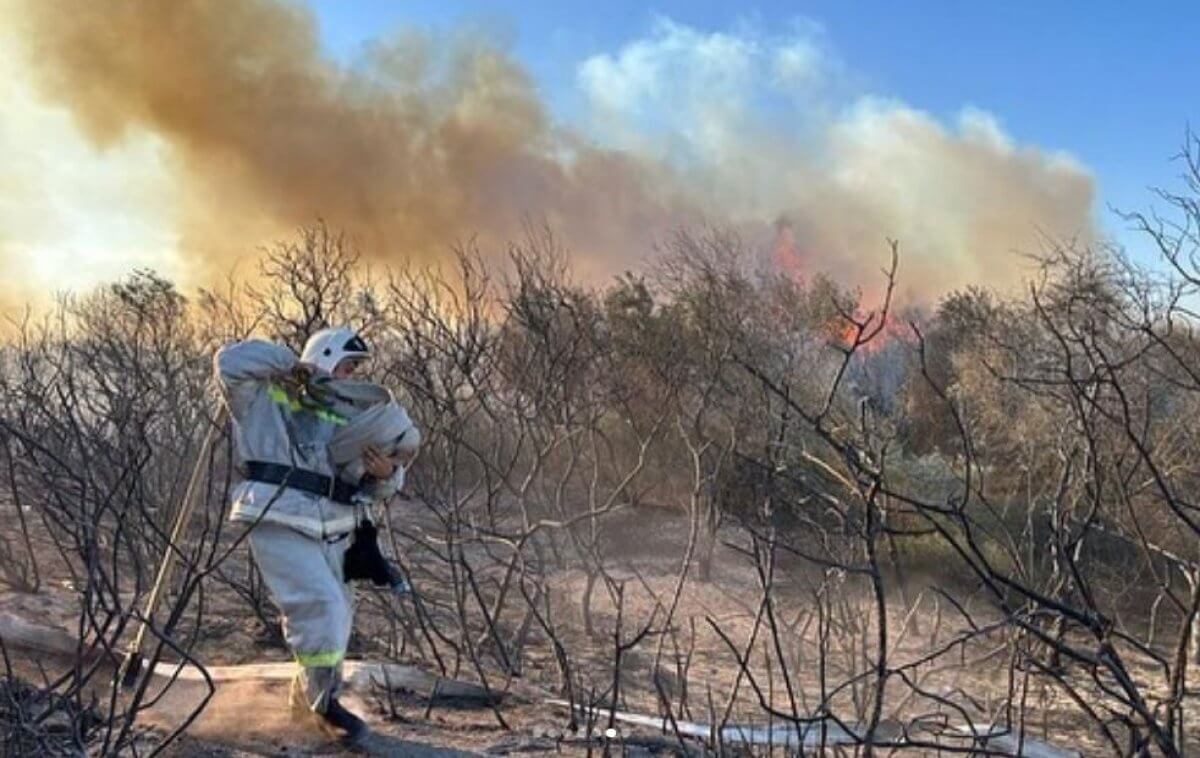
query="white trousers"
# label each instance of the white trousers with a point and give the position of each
(304, 577)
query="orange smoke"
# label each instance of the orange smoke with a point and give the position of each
(429, 140)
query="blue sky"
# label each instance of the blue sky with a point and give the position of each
(1107, 82)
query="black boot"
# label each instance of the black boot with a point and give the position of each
(343, 725)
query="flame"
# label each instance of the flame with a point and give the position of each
(785, 255)
(840, 331)
(843, 333)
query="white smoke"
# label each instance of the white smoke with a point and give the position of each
(769, 128)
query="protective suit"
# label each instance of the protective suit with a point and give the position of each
(302, 508)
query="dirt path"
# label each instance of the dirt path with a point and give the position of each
(252, 717)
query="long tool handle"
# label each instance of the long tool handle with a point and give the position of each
(133, 657)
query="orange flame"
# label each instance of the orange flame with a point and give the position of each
(839, 331)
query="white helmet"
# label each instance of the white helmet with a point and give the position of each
(328, 347)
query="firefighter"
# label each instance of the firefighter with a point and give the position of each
(302, 514)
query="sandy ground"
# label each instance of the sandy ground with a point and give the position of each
(644, 551)
(253, 718)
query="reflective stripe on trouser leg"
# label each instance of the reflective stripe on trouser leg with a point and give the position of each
(304, 577)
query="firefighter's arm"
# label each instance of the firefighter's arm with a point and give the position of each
(241, 368)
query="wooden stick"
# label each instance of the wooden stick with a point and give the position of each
(133, 657)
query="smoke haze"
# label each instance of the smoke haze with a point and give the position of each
(228, 127)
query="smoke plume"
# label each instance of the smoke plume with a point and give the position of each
(428, 139)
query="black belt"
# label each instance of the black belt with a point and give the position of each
(300, 479)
